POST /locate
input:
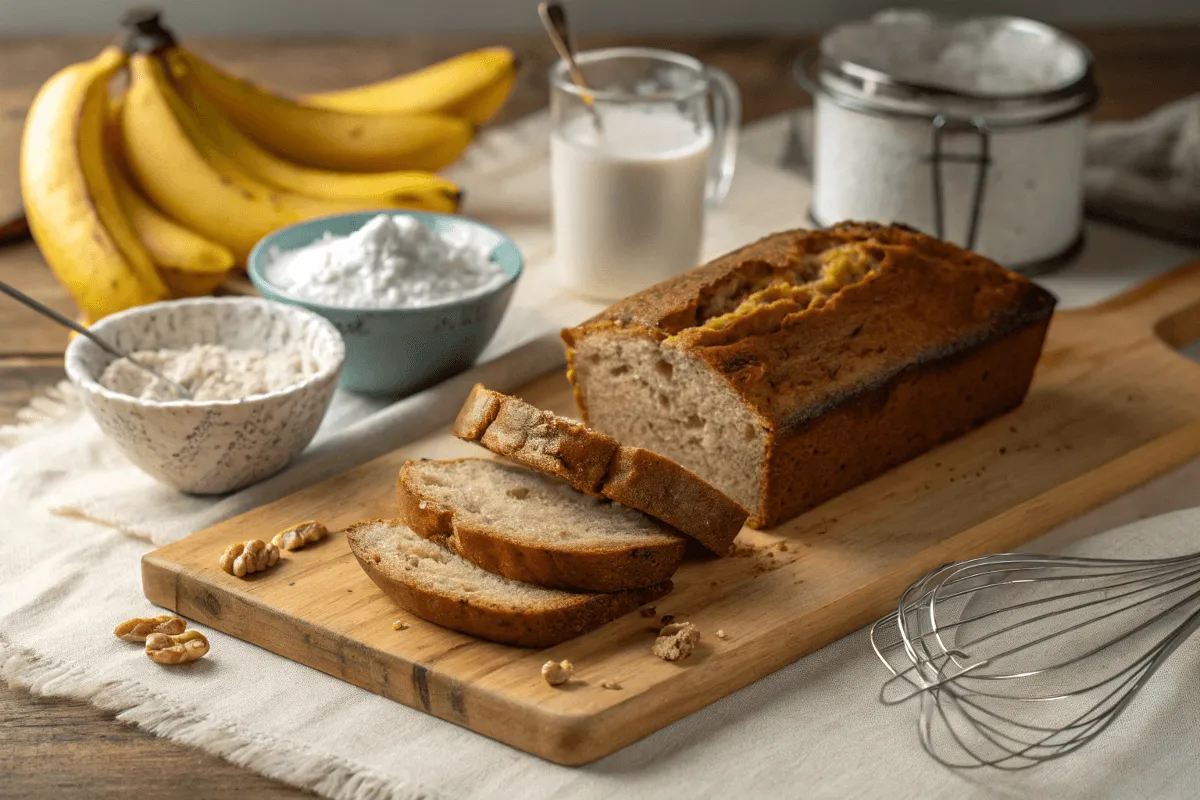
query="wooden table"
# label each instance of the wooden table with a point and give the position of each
(69, 749)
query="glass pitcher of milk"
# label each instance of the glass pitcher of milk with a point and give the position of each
(634, 163)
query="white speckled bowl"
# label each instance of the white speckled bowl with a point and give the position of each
(210, 447)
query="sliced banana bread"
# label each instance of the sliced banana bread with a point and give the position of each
(595, 463)
(446, 589)
(797, 367)
(530, 527)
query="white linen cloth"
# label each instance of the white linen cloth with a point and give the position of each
(79, 517)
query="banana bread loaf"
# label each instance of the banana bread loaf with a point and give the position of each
(795, 368)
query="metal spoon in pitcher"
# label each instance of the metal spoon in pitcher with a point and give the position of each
(554, 19)
(67, 322)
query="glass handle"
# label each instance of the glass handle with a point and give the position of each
(727, 119)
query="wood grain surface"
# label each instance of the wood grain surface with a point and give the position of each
(65, 749)
(1112, 405)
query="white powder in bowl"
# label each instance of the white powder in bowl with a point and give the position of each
(391, 262)
(210, 372)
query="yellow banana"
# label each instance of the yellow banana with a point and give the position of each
(190, 265)
(200, 187)
(473, 86)
(418, 189)
(73, 210)
(328, 138)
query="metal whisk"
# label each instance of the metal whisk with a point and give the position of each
(1018, 658)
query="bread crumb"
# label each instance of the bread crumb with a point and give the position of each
(667, 619)
(721, 634)
(399, 625)
(648, 611)
(557, 673)
(610, 685)
(676, 642)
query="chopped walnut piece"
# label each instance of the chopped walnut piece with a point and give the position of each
(187, 646)
(557, 673)
(667, 619)
(610, 684)
(299, 535)
(676, 641)
(721, 634)
(244, 558)
(136, 630)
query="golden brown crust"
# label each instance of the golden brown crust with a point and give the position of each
(593, 462)
(578, 569)
(480, 408)
(939, 299)
(551, 444)
(661, 488)
(532, 627)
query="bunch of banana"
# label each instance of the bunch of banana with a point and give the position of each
(162, 188)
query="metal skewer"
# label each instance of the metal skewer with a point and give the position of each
(554, 18)
(67, 322)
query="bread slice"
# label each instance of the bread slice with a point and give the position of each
(530, 527)
(441, 587)
(598, 464)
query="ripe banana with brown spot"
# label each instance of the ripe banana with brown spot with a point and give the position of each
(330, 138)
(415, 189)
(190, 265)
(472, 85)
(74, 214)
(196, 184)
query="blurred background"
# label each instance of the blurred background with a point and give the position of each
(26, 17)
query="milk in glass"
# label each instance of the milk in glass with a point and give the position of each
(629, 196)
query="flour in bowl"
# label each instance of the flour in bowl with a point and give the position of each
(391, 262)
(210, 372)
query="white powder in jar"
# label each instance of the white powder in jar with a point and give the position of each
(210, 372)
(391, 262)
(872, 164)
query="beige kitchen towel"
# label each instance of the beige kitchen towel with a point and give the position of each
(1146, 172)
(813, 729)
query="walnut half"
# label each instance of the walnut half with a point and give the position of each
(244, 558)
(170, 650)
(557, 673)
(136, 630)
(300, 535)
(676, 641)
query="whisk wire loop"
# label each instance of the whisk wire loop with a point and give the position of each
(1017, 658)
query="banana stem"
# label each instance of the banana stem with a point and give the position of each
(145, 32)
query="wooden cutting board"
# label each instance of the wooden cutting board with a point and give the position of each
(1112, 405)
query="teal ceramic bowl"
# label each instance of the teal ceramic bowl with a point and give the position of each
(398, 351)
